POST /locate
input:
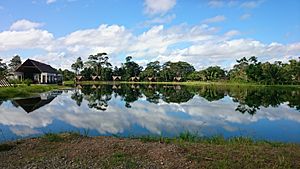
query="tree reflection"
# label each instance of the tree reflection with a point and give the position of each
(77, 96)
(175, 94)
(249, 99)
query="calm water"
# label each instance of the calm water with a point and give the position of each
(126, 110)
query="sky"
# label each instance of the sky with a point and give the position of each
(202, 32)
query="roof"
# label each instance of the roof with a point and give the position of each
(29, 64)
(31, 104)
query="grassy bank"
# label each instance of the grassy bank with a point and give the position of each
(25, 91)
(72, 150)
(191, 83)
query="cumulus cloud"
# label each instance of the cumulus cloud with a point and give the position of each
(25, 25)
(201, 45)
(153, 7)
(218, 18)
(28, 39)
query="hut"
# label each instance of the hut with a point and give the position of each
(151, 79)
(115, 78)
(96, 78)
(177, 79)
(135, 78)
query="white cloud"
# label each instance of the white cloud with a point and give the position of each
(29, 39)
(245, 16)
(216, 3)
(155, 118)
(50, 1)
(234, 3)
(160, 20)
(153, 7)
(232, 33)
(201, 45)
(251, 4)
(25, 25)
(218, 18)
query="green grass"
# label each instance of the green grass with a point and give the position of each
(216, 140)
(191, 83)
(25, 91)
(59, 137)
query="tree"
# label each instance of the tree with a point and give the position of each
(238, 72)
(14, 63)
(67, 74)
(175, 69)
(98, 62)
(214, 73)
(3, 68)
(77, 66)
(131, 68)
(152, 70)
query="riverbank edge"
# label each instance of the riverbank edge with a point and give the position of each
(136, 152)
(193, 83)
(23, 91)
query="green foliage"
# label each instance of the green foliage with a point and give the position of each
(27, 82)
(67, 75)
(130, 69)
(15, 62)
(77, 65)
(52, 137)
(247, 70)
(176, 69)
(3, 69)
(152, 70)
(24, 90)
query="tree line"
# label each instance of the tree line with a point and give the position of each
(246, 70)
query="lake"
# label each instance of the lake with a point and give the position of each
(262, 113)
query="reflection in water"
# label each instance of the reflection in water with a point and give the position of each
(249, 99)
(34, 103)
(263, 113)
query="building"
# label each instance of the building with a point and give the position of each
(37, 72)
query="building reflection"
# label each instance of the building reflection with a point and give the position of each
(33, 103)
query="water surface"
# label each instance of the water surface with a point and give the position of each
(135, 110)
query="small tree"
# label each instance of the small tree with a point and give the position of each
(3, 68)
(77, 65)
(14, 63)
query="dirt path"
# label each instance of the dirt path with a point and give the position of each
(110, 152)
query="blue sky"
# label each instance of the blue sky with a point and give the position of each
(202, 32)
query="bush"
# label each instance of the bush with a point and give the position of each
(28, 82)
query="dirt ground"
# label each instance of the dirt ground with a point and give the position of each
(111, 152)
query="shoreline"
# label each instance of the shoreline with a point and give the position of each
(26, 91)
(192, 83)
(72, 150)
